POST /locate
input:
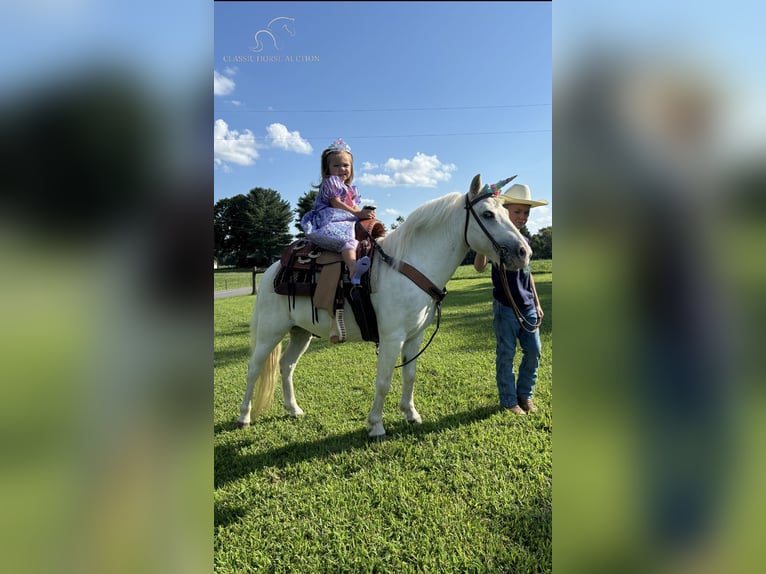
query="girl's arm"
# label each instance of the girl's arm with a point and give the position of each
(359, 213)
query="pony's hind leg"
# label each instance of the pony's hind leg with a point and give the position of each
(300, 339)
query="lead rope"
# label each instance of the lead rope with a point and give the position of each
(519, 316)
(438, 321)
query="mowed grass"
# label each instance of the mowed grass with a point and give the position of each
(469, 490)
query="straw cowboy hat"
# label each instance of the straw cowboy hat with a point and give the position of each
(519, 193)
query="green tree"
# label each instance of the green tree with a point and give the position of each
(271, 217)
(305, 204)
(232, 225)
(251, 230)
(542, 244)
(398, 222)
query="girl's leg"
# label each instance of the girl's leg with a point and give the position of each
(348, 251)
(349, 258)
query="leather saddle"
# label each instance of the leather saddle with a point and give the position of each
(307, 270)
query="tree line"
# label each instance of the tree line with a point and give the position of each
(252, 230)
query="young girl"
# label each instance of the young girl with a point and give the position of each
(331, 224)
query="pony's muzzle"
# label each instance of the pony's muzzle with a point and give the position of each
(514, 258)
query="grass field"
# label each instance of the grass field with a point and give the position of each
(469, 490)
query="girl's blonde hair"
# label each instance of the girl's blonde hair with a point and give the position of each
(326, 163)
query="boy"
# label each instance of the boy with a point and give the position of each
(516, 393)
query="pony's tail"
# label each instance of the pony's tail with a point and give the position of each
(263, 393)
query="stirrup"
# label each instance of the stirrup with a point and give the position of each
(338, 332)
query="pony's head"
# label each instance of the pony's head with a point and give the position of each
(488, 229)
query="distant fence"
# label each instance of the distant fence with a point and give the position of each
(237, 278)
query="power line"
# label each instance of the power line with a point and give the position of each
(381, 136)
(365, 110)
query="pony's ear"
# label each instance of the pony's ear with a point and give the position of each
(475, 185)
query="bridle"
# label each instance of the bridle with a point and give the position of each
(501, 251)
(492, 191)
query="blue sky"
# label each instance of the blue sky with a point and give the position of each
(427, 95)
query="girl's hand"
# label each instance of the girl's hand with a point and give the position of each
(365, 213)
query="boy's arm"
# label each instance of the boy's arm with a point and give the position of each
(537, 299)
(479, 262)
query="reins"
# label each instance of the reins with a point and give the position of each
(418, 279)
(522, 320)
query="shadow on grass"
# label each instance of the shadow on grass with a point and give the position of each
(239, 354)
(230, 465)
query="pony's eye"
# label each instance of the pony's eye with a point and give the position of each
(488, 215)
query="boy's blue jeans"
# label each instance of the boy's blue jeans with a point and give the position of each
(507, 331)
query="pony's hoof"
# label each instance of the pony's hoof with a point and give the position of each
(376, 431)
(412, 416)
(294, 413)
(241, 425)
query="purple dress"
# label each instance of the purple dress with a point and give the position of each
(328, 227)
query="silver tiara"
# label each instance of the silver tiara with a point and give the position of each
(339, 145)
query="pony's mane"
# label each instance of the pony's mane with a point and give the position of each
(432, 214)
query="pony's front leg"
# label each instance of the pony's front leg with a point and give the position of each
(300, 340)
(407, 404)
(388, 353)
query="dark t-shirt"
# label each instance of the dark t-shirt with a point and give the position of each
(520, 284)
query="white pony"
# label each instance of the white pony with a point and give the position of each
(434, 239)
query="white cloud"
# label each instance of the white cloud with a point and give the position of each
(379, 179)
(222, 85)
(420, 171)
(280, 137)
(229, 146)
(391, 211)
(367, 165)
(233, 147)
(539, 217)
